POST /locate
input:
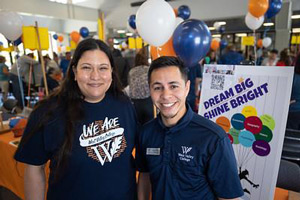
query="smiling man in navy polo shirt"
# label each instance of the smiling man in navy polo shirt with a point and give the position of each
(180, 154)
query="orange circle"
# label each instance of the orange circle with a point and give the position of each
(224, 123)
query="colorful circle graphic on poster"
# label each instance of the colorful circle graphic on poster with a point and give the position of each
(249, 134)
(237, 121)
(224, 123)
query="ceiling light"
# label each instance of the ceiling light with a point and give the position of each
(296, 30)
(222, 23)
(211, 28)
(121, 31)
(295, 17)
(269, 24)
(216, 36)
(68, 1)
(241, 34)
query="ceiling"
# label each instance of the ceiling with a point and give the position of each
(118, 11)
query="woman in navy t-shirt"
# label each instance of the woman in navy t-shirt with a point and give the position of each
(86, 129)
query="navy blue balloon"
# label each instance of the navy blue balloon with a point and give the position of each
(223, 44)
(84, 32)
(16, 42)
(274, 8)
(131, 21)
(221, 29)
(191, 41)
(184, 12)
(55, 36)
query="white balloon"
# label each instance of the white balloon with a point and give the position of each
(252, 22)
(217, 25)
(155, 22)
(10, 25)
(267, 42)
(178, 21)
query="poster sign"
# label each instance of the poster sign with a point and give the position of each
(248, 41)
(30, 39)
(251, 104)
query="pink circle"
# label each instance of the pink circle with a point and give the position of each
(230, 138)
(253, 124)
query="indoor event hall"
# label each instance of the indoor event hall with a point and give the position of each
(150, 99)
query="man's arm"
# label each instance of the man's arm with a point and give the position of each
(34, 182)
(144, 186)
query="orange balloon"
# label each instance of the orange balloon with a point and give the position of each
(165, 50)
(258, 8)
(60, 38)
(176, 12)
(75, 36)
(259, 43)
(215, 44)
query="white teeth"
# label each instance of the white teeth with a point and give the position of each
(168, 104)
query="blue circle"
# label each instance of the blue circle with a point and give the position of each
(237, 121)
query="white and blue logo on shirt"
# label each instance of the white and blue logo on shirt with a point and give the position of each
(103, 140)
(185, 155)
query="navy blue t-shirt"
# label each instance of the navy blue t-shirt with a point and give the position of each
(192, 160)
(101, 165)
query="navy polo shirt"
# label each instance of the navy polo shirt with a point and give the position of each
(191, 160)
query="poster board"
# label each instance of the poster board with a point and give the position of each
(251, 104)
(30, 39)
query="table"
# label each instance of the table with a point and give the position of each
(12, 172)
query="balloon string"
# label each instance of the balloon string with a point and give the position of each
(255, 55)
(267, 28)
(19, 77)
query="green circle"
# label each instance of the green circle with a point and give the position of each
(235, 135)
(265, 134)
(268, 121)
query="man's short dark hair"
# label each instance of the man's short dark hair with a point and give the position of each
(274, 51)
(167, 61)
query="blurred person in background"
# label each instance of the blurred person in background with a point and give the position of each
(4, 78)
(232, 56)
(284, 59)
(294, 110)
(272, 58)
(139, 88)
(65, 62)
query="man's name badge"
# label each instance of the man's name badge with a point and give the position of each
(153, 151)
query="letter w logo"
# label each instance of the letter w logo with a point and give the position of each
(185, 150)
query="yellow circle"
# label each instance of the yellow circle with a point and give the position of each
(249, 111)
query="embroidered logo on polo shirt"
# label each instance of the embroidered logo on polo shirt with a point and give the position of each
(103, 140)
(184, 156)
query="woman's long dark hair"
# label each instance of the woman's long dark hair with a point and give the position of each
(69, 99)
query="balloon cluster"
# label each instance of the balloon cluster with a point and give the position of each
(259, 9)
(249, 130)
(11, 26)
(74, 35)
(178, 35)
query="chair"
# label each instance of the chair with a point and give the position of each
(291, 146)
(289, 176)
